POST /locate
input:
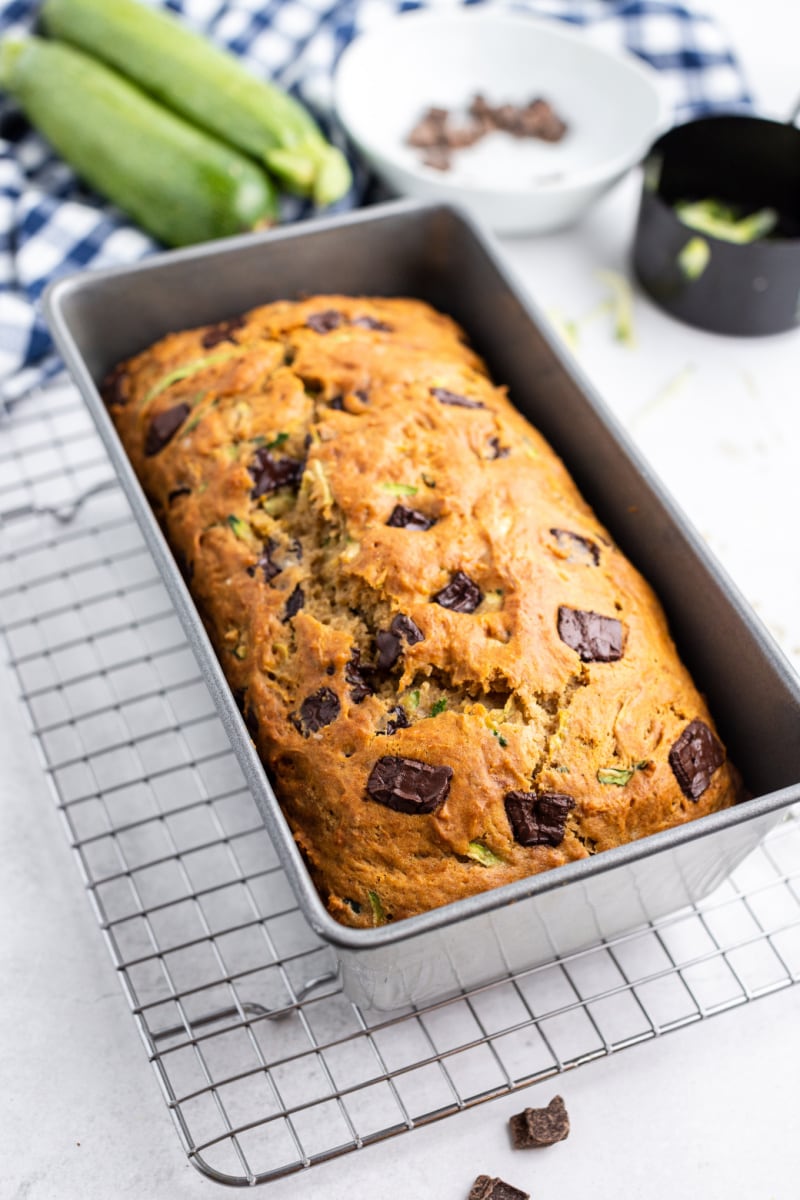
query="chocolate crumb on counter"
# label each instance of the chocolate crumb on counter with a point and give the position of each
(694, 758)
(486, 1188)
(540, 1126)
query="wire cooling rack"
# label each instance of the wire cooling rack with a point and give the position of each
(264, 1064)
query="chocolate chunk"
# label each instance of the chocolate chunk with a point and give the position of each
(445, 397)
(371, 323)
(389, 649)
(595, 638)
(540, 1126)
(362, 394)
(403, 627)
(486, 1188)
(317, 711)
(325, 322)
(269, 473)
(429, 130)
(694, 758)
(498, 451)
(185, 567)
(578, 548)
(358, 677)
(407, 785)
(222, 332)
(163, 428)
(337, 402)
(538, 819)
(251, 721)
(438, 158)
(540, 120)
(293, 604)
(264, 561)
(113, 389)
(176, 493)
(460, 594)
(399, 721)
(409, 518)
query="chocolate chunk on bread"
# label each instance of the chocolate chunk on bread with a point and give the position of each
(454, 676)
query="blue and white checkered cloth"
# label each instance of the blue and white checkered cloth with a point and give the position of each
(50, 224)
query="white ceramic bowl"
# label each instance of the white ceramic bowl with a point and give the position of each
(611, 102)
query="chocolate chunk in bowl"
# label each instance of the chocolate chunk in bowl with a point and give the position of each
(535, 1127)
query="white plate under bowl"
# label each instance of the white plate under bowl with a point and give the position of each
(611, 101)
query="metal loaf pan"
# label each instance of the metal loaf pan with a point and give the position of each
(437, 254)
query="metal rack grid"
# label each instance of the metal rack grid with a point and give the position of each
(264, 1064)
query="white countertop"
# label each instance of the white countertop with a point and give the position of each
(708, 1111)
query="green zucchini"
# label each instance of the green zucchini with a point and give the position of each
(206, 85)
(178, 183)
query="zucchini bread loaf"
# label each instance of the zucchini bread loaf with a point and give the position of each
(453, 675)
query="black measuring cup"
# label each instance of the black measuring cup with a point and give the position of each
(747, 162)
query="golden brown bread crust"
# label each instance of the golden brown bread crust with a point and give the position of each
(340, 411)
